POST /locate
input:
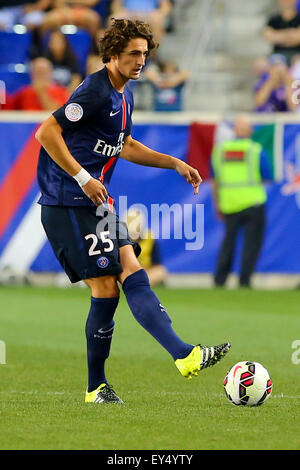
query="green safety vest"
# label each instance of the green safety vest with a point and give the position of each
(236, 165)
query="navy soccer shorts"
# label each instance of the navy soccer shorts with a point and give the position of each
(86, 240)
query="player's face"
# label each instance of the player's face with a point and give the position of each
(131, 61)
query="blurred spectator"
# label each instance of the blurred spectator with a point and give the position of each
(167, 82)
(260, 66)
(295, 67)
(273, 90)
(76, 12)
(6, 101)
(154, 12)
(43, 94)
(240, 166)
(149, 257)
(94, 58)
(64, 61)
(31, 14)
(282, 30)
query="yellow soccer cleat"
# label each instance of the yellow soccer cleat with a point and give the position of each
(103, 394)
(200, 358)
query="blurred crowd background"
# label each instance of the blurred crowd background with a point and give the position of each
(214, 55)
(216, 59)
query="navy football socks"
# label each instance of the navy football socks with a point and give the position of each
(149, 312)
(99, 330)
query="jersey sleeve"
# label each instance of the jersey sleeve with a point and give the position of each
(79, 109)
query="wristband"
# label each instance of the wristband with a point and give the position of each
(82, 177)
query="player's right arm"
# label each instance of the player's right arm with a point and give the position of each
(50, 137)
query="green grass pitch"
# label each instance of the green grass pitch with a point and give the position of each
(43, 382)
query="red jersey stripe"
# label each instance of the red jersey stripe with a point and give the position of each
(111, 161)
(106, 168)
(110, 204)
(124, 113)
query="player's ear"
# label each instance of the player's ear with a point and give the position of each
(114, 58)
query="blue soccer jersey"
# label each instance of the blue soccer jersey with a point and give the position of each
(95, 122)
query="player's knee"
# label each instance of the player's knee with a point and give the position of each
(109, 287)
(129, 262)
(103, 287)
(130, 266)
(128, 270)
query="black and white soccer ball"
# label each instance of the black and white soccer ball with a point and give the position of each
(248, 383)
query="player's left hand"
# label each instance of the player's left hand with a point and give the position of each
(190, 174)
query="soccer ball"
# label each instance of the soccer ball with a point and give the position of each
(248, 383)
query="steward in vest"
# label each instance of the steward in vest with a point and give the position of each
(239, 168)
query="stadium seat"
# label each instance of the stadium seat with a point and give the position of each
(14, 76)
(14, 47)
(103, 9)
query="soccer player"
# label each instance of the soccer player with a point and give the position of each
(81, 143)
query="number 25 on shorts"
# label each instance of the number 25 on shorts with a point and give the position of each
(105, 240)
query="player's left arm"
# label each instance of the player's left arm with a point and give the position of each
(136, 152)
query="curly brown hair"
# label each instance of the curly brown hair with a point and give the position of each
(117, 37)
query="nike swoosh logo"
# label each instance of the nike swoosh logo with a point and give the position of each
(102, 330)
(235, 371)
(113, 114)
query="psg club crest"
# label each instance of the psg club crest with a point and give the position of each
(102, 262)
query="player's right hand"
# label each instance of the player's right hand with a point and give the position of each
(96, 191)
(190, 174)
